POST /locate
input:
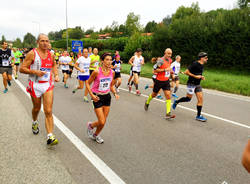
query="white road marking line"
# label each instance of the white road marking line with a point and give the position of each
(107, 172)
(220, 93)
(207, 114)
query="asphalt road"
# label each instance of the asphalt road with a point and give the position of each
(143, 147)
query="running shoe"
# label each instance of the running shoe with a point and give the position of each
(170, 116)
(65, 86)
(52, 141)
(201, 118)
(85, 99)
(35, 128)
(90, 131)
(16, 76)
(74, 90)
(129, 88)
(146, 106)
(138, 93)
(174, 105)
(98, 139)
(146, 87)
(174, 95)
(5, 90)
(159, 97)
(9, 83)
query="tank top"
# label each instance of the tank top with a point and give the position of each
(43, 65)
(102, 83)
(164, 76)
(137, 64)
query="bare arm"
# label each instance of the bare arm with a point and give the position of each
(25, 67)
(142, 62)
(187, 72)
(131, 60)
(90, 80)
(112, 87)
(78, 68)
(54, 69)
(246, 157)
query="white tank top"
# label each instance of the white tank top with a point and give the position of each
(137, 64)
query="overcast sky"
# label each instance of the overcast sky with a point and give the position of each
(21, 16)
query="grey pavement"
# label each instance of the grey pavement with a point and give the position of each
(143, 147)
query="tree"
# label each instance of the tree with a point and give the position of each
(76, 33)
(167, 20)
(89, 31)
(183, 11)
(29, 41)
(18, 43)
(242, 3)
(3, 39)
(132, 23)
(94, 35)
(150, 27)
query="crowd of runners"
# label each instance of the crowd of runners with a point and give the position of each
(101, 76)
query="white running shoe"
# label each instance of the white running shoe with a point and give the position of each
(90, 131)
(98, 139)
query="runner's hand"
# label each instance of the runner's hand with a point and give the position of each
(40, 73)
(56, 78)
(198, 76)
(202, 78)
(117, 97)
(95, 98)
(82, 71)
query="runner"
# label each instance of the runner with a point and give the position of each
(246, 157)
(79, 53)
(7, 60)
(82, 65)
(153, 60)
(64, 61)
(90, 52)
(194, 72)
(100, 93)
(136, 61)
(176, 67)
(163, 70)
(72, 63)
(95, 60)
(116, 53)
(40, 64)
(116, 66)
(17, 55)
(57, 55)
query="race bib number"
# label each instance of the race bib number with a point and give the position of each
(167, 74)
(5, 62)
(104, 84)
(46, 76)
(86, 71)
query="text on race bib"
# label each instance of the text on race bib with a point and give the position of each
(46, 76)
(104, 84)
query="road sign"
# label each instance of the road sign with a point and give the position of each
(76, 45)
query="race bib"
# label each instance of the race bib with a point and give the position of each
(117, 69)
(5, 62)
(86, 71)
(104, 84)
(167, 74)
(46, 76)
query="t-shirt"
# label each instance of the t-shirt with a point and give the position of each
(65, 59)
(176, 66)
(6, 57)
(137, 63)
(118, 66)
(17, 56)
(83, 65)
(94, 58)
(197, 69)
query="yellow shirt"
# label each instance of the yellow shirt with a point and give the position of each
(96, 64)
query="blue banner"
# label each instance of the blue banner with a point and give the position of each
(77, 45)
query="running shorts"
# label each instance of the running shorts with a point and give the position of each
(138, 73)
(7, 70)
(176, 78)
(105, 100)
(36, 89)
(65, 71)
(191, 89)
(83, 77)
(117, 75)
(164, 85)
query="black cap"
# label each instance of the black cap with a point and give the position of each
(202, 54)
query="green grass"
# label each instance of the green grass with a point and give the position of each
(231, 81)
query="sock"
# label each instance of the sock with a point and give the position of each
(149, 99)
(34, 122)
(199, 110)
(168, 106)
(136, 86)
(49, 135)
(183, 99)
(175, 89)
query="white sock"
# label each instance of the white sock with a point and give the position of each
(49, 135)
(34, 122)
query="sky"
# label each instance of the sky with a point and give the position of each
(21, 16)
